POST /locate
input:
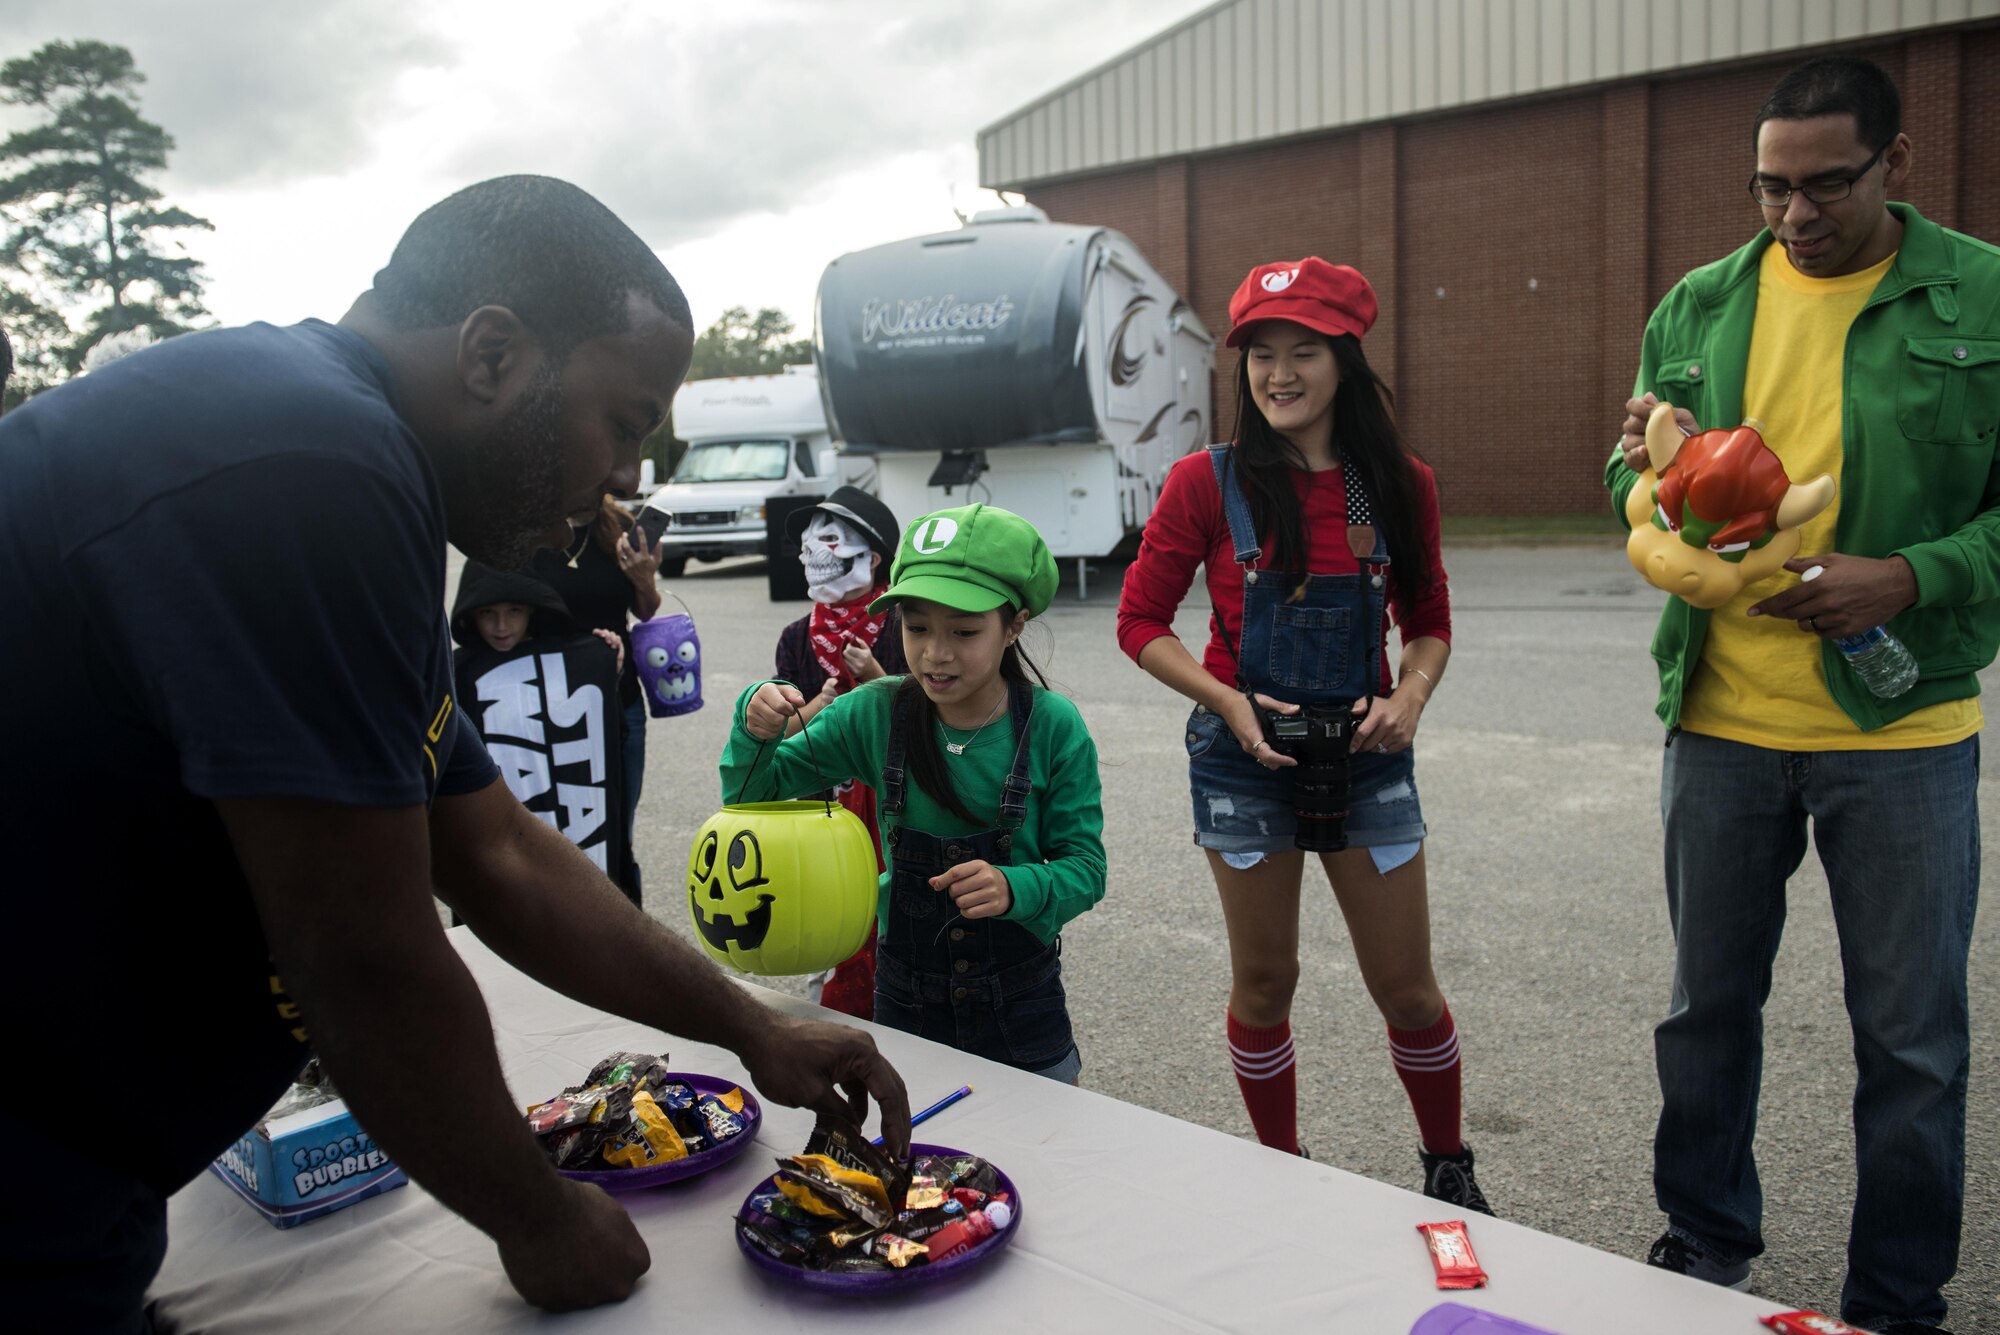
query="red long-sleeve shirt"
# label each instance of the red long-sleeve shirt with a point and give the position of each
(1187, 529)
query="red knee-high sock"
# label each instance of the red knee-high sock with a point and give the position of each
(1427, 1062)
(1268, 1077)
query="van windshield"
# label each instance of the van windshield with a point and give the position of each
(734, 461)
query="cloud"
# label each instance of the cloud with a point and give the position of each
(684, 119)
(755, 141)
(252, 91)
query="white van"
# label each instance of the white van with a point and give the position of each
(751, 440)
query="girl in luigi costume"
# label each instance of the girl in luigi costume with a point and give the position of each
(986, 781)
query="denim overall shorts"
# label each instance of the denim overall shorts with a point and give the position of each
(1321, 646)
(986, 986)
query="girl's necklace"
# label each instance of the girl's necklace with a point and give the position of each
(958, 748)
(582, 541)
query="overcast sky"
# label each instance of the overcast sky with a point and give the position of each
(750, 142)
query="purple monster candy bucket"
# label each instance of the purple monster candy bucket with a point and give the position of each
(667, 653)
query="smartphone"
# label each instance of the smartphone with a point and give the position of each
(653, 522)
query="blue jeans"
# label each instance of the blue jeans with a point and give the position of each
(1898, 834)
(635, 758)
(1241, 807)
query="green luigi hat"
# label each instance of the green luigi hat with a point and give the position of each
(972, 559)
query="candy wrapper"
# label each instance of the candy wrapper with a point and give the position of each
(721, 1117)
(1451, 1253)
(818, 1185)
(628, 1113)
(574, 1127)
(843, 1143)
(656, 1142)
(637, 1069)
(313, 1089)
(1809, 1323)
(845, 1207)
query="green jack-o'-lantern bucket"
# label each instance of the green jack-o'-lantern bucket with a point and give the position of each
(782, 887)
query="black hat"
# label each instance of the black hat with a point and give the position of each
(867, 513)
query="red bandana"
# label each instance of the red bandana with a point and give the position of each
(831, 628)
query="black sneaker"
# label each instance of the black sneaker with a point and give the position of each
(1685, 1254)
(1448, 1177)
(1913, 1328)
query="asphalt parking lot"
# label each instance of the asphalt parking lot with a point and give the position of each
(1539, 768)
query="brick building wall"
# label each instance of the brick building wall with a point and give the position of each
(1518, 248)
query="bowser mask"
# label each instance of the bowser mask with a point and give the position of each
(835, 554)
(1715, 512)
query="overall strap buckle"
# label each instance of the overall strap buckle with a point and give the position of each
(1015, 788)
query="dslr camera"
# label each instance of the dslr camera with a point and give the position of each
(1317, 737)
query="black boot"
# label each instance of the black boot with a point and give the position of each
(1448, 1177)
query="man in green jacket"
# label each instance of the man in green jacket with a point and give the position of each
(1865, 340)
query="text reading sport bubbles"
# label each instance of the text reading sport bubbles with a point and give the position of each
(324, 1165)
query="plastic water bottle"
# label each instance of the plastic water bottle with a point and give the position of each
(1882, 662)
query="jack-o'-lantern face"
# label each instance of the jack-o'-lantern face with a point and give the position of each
(730, 889)
(782, 888)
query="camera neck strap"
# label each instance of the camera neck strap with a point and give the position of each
(1364, 538)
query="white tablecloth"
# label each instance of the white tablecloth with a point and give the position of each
(1132, 1221)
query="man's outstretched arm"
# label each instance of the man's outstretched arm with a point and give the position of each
(540, 904)
(344, 897)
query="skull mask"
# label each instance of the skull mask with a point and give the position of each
(835, 554)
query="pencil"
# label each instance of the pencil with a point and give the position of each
(937, 1107)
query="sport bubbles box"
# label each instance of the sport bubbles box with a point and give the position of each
(307, 1164)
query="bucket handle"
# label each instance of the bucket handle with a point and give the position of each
(689, 611)
(812, 752)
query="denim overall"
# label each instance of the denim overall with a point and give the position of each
(987, 986)
(1320, 647)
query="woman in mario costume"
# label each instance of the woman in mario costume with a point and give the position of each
(1315, 526)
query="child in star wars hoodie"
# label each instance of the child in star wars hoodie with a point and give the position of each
(542, 693)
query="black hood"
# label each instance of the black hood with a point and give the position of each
(482, 586)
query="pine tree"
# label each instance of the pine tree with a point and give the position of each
(84, 238)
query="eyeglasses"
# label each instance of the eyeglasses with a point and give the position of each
(1824, 190)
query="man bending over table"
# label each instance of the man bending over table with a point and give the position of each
(236, 771)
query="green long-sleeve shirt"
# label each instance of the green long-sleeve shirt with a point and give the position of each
(1057, 871)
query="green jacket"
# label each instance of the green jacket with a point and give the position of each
(1920, 477)
(1057, 871)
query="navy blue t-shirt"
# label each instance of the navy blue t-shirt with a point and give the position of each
(222, 575)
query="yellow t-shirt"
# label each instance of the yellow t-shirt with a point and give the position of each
(1760, 679)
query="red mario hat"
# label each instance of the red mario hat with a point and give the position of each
(1330, 298)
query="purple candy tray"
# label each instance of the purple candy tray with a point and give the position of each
(884, 1282)
(679, 1170)
(1458, 1319)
